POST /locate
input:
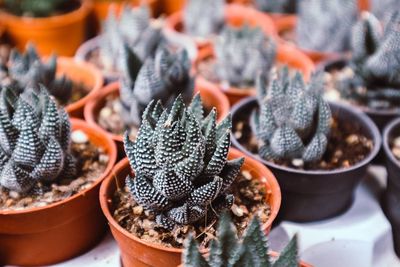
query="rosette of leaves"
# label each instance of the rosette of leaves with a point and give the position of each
(325, 25)
(180, 162)
(27, 70)
(276, 6)
(228, 251)
(373, 74)
(34, 140)
(134, 29)
(294, 120)
(203, 18)
(241, 53)
(162, 78)
(35, 8)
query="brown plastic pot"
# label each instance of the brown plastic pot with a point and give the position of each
(59, 231)
(318, 194)
(80, 73)
(391, 199)
(235, 15)
(102, 7)
(210, 95)
(286, 54)
(136, 252)
(60, 34)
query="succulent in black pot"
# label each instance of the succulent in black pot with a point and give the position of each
(319, 151)
(391, 201)
(370, 80)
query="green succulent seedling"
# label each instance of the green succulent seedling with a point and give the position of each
(35, 8)
(227, 251)
(294, 120)
(180, 162)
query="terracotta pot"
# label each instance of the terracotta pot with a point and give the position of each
(319, 194)
(169, 7)
(61, 34)
(136, 252)
(210, 95)
(80, 73)
(391, 200)
(173, 38)
(235, 15)
(286, 54)
(102, 7)
(59, 231)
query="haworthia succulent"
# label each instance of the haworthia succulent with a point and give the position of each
(180, 163)
(162, 78)
(294, 120)
(241, 53)
(203, 17)
(277, 6)
(36, 8)
(228, 251)
(325, 25)
(34, 140)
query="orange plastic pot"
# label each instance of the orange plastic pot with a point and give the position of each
(60, 34)
(59, 231)
(102, 7)
(235, 15)
(136, 252)
(286, 54)
(80, 73)
(169, 7)
(210, 95)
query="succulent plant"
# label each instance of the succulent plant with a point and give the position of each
(277, 6)
(373, 76)
(29, 71)
(294, 120)
(325, 25)
(162, 78)
(241, 53)
(180, 163)
(226, 250)
(35, 8)
(203, 18)
(135, 30)
(34, 140)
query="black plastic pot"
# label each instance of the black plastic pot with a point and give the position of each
(380, 117)
(316, 195)
(391, 201)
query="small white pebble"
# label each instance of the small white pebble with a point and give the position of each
(298, 162)
(14, 194)
(237, 210)
(247, 175)
(396, 142)
(105, 112)
(138, 210)
(79, 137)
(103, 158)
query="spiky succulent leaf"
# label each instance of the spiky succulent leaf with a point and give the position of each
(289, 256)
(192, 256)
(325, 25)
(293, 121)
(34, 141)
(242, 53)
(203, 18)
(277, 6)
(36, 8)
(174, 176)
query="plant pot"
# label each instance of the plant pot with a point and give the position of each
(391, 201)
(320, 194)
(286, 54)
(380, 117)
(102, 7)
(169, 7)
(235, 15)
(175, 39)
(59, 231)
(80, 73)
(60, 34)
(136, 252)
(211, 97)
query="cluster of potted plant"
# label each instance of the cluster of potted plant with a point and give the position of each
(156, 94)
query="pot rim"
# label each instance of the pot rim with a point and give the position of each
(343, 59)
(124, 163)
(49, 22)
(363, 119)
(387, 131)
(78, 124)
